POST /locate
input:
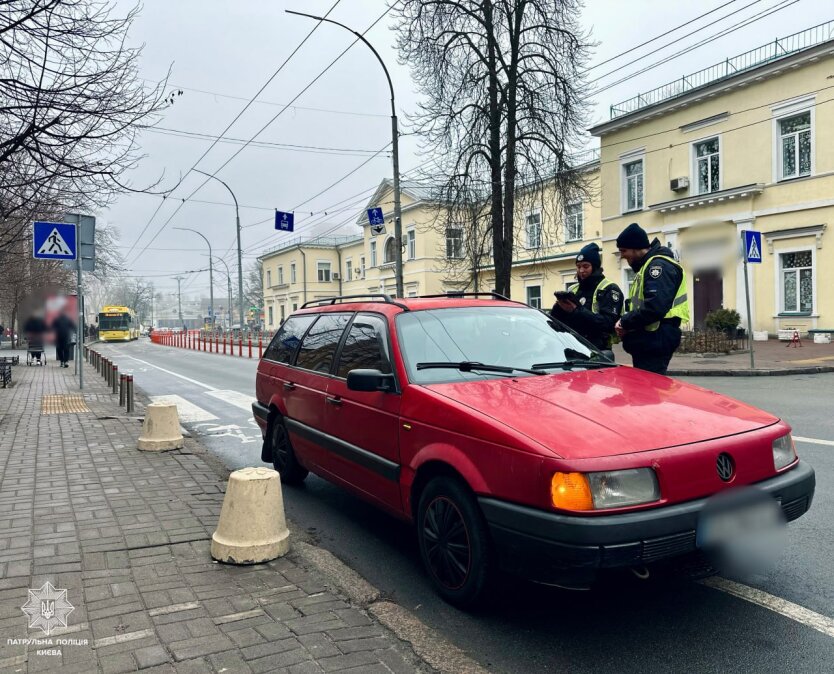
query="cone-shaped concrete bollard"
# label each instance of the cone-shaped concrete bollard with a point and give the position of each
(161, 429)
(252, 527)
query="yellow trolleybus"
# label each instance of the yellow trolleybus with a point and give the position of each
(117, 324)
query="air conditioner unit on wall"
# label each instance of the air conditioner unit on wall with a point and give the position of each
(335, 276)
(678, 184)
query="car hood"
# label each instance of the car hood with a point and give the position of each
(606, 412)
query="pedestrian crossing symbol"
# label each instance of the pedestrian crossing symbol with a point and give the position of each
(53, 241)
(752, 246)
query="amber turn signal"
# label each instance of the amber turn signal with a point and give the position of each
(571, 491)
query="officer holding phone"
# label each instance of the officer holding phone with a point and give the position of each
(593, 305)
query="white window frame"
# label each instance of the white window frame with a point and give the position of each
(268, 278)
(392, 242)
(362, 266)
(780, 176)
(373, 253)
(292, 272)
(780, 289)
(527, 290)
(320, 269)
(270, 315)
(455, 228)
(280, 275)
(283, 308)
(411, 238)
(625, 160)
(349, 269)
(786, 110)
(568, 216)
(528, 243)
(693, 164)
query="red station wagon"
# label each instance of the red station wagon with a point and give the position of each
(511, 442)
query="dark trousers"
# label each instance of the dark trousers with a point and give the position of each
(62, 350)
(652, 350)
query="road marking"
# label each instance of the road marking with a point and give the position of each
(240, 400)
(814, 441)
(174, 374)
(783, 607)
(188, 412)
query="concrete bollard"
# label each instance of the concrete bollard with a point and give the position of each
(252, 526)
(161, 429)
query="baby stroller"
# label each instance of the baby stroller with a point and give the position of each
(34, 350)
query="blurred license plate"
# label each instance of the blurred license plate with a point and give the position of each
(726, 520)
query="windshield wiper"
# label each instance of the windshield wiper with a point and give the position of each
(574, 362)
(469, 366)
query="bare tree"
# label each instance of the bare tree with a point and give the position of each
(504, 103)
(71, 105)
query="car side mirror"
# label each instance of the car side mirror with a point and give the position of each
(370, 380)
(608, 353)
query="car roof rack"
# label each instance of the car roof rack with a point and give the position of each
(495, 296)
(374, 297)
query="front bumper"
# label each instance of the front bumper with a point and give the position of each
(542, 545)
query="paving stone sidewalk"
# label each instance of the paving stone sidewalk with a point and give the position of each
(127, 535)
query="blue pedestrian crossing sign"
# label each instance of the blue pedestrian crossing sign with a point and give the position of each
(284, 222)
(54, 241)
(752, 246)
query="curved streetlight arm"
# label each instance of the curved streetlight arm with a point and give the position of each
(211, 269)
(198, 233)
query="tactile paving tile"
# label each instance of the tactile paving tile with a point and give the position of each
(67, 403)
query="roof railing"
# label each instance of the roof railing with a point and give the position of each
(454, 294)
(373, 297)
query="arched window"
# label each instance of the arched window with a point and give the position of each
(389, 254)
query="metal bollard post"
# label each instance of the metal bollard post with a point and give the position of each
(122, 389)
(105, 370)
(240, 345)
(129, 403)
(250, 345)
(114, 379)
(260, 346)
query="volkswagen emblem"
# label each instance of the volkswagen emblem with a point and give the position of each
(725, 466)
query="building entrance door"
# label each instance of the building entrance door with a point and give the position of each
(708, 294)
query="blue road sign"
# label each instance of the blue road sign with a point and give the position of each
(752, 246)
(375, 216)
(54, 241)
(284, 221)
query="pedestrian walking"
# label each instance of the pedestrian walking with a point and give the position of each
(592, 306)
(657, 304)
(63, 328)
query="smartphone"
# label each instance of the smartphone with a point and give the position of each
(566, 296)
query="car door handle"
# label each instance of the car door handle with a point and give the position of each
(289, 386)
(334, 400)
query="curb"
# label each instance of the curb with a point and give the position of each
(781, 372)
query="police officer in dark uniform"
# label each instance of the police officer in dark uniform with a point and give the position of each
(658, 301)
(600, 301)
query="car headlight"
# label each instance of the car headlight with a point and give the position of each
(602, 490)
(784, 452)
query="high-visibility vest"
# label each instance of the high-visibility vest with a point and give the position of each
(680, 305)
(574, 288)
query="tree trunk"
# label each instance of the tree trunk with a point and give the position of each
(496, 200)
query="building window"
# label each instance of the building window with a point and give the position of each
(454, 243)
(295, 306)
(280, 276)
(283, 313)
(268, 278)
(797, 282)
(708, 166)
(412, 244)
(270, 314)
(348, 270)
(574, 222)
(534, 296)
(362, 266)
(533, 226)
(292, 274)
(389, 252)
(633, 175)
(373, 253)
(323, 272)
(795, 146)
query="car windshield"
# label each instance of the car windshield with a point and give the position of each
(511, 337)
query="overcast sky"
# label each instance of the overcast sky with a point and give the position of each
(220, 53)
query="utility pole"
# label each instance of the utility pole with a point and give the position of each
(229, 282)
(395, 152)
(179, 280)
(239, 253)
(211, 270)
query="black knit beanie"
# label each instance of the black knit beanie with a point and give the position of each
(590, 253)
(633, 236)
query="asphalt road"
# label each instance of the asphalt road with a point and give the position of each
(625, 625)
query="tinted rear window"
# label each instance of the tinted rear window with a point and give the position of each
(319, 346)
(283, 346)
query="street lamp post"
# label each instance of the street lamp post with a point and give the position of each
(179, 280)
(229, 282)
(211, 270)
(239, 253)
(395, 151)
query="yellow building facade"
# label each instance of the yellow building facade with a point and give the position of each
(746, 144)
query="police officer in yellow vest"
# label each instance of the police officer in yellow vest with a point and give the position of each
(600, 301)
(658, 303)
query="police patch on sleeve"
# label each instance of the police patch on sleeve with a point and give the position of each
(615, 296)
(655, 271)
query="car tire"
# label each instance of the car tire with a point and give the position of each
(454, 542)
(283, 455)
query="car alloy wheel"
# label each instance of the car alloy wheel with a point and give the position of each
(283, 455)
(454, 541)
